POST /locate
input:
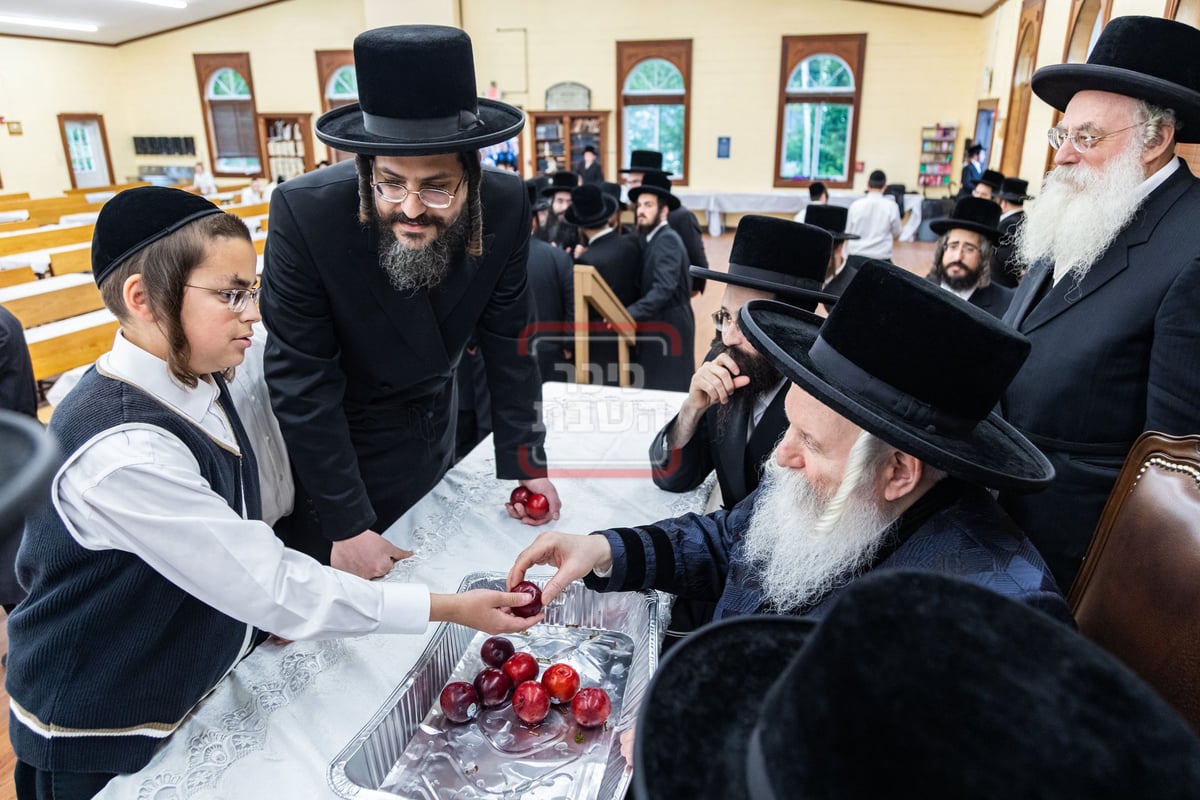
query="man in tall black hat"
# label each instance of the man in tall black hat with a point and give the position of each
(914, 685)
(619, 262)
(666, 325)
(1114, 279)
(963, 257)
(972, 170)
(681, 220)
(890, 446)
(377, 272)
(1007, 267)
(833, 219)
(558, 194)
(988, 185)
(588, 167)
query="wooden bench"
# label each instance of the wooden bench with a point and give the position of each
(17, 275)
(51, 300)
(75, 342)
(260, 246)
(9, 227)
(114, 188)
(70, 261)
(14, 196)
(45, 240)
(250, 210)
(48, 212)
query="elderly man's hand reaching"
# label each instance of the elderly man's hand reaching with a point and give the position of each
(573, 555)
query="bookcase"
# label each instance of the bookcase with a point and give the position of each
(288, 138)
(560, 136)
(937, 155)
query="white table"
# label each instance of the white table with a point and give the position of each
(19, 215)
(81, 218)
(271, 728)
(783, 202)
(33, 288)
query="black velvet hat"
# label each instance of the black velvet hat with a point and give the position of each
(416, 97)
(1146, 58)
(993, 179)
(561, 182)
(533, 187)
(971, 214)
(613, 190)
(914, 365)
(658, 184)
(831, 218)
(590, 207)
(780, 256)
(974, 150)
(645, 161)
(915, 684)
(137, 217)
(1014, 190)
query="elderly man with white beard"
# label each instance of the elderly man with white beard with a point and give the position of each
(890, 443)
(1110, 301)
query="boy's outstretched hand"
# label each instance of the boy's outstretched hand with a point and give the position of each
(483, 609)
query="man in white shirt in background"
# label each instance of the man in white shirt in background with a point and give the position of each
(875, 219)
(202, 181)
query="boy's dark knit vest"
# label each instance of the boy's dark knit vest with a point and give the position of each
(105, 652)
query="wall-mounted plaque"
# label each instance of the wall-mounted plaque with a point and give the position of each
(568, 96)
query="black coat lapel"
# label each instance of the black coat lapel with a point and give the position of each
(461, 278)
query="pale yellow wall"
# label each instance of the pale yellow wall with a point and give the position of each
(921, 68)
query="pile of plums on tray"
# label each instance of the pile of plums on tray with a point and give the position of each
(531, 699)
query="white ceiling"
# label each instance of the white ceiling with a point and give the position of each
(117, 20)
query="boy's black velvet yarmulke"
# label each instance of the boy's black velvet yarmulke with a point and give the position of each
(137, 217)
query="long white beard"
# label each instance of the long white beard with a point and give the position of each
(805, 545)
(1081, 211)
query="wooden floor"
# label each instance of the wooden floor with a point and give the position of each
(915, 256)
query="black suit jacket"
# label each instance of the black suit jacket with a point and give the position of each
(592, 174)
(1006, 263)
(1113, 356)
(552, 287)
(666, 326)
(361, 376)
(684, 222)
(739, 464)
(992, 299)
(838, 283)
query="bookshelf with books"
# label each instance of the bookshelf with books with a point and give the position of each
(560, 136)
(937, 155)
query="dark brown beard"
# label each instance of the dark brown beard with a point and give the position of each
(958, 284)
(410, 269)
(763, 378)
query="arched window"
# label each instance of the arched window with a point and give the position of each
(1086, 20)
(230, 116)
(343, 87)
(653, 101)
(818, 109)
(1029, 32)
(338, 83)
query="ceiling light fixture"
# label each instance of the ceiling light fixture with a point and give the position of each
(33, 22)
(164, 3)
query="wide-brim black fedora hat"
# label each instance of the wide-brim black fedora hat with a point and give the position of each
(645, 161)
(971, 214)
(831, 218)
(780, 256)
(590, 207)
(657, 184)
(1014, 190)
(416, 97)
(993, 179)
(613, 190)
(915, 684)
(561, 182)
(1146, 58)
(912, 364)
(29, 457)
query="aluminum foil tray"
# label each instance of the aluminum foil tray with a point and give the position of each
(612, 639)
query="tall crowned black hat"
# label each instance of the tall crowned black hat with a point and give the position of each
(645, 161)
(1146, 58)
(1014, 190)
(416, 97)
(974, 150)
(776, 255)
(533, 187)
(912, 364)
(831, 218)
(657, 184)
(992, 178)
(590, 207)
(914, 685)
(560, 182)
(971, 214)
(613, 190)
(138, 217)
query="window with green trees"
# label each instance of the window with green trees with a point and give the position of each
(654, 101)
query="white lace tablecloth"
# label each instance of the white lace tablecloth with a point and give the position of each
(270, 729)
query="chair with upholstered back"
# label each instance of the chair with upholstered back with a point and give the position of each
(1138, 593)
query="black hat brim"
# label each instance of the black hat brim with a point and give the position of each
(1010, 197)
(646, 171)
(1058, 83)
(342, 128)
(993, 454)
(610, 208)
(781, 289)
(550, 191)
(946, 224)
(671, 200)
(842, 236)
(677, 738)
